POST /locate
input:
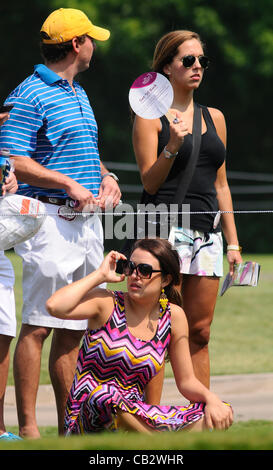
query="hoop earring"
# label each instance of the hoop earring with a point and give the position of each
(163, 300)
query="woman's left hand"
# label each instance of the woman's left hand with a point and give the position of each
(233, 257)
(218, 415)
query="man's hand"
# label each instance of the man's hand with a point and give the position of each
(10, 185)
(3, 118)
(109, 193)
(86, 202)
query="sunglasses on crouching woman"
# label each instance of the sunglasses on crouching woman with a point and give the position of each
(142, 270)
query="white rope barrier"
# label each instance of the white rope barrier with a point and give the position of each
(124, 212)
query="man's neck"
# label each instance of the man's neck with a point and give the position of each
(66, 70)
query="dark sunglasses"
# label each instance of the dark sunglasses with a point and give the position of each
(189, 60)
(142, 270)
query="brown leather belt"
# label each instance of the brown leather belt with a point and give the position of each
(58, 201)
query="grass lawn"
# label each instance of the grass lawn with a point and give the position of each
(241, 334)
(252, 435)
(241, 342)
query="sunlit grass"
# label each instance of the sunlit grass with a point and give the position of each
(241, 334)
(252, 435)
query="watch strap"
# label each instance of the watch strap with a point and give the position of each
(113, 175)
(168, 154)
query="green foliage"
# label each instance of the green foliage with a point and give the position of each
(239, 41)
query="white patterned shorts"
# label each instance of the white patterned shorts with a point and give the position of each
(200, 253)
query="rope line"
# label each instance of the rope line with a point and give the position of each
(147, 212)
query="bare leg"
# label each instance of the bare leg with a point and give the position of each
(197, 426)
(27, 363)
(130, 422)
(199, 299)
(62, 364)
(4, 369)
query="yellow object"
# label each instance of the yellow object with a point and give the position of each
(64, 24)
(163, 300)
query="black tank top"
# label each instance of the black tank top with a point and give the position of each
(201, 194)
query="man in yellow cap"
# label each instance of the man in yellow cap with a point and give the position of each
(52, 135)
(66, 23)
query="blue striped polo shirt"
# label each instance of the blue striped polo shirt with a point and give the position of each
(55, 127)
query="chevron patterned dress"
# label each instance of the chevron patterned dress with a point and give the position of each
(112, 371)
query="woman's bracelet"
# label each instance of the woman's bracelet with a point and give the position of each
(234, 247)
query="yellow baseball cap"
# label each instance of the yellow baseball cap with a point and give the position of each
(66, 23)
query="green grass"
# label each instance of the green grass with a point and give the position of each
(253, 435)
(241, 334)
(241, 342)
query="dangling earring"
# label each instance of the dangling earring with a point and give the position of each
(163, 300)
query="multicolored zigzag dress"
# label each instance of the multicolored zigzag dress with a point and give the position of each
(112, 371)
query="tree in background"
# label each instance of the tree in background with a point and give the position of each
(239, 40)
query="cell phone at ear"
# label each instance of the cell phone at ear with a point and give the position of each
(119, 267)
(6, 108)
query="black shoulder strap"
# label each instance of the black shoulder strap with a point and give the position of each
(189, 170)
(207, 117)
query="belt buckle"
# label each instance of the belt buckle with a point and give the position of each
(67, 213)
(53, 200)
(70, 203)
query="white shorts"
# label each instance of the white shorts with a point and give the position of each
(7, 302)
(200, 253)
(61, 252)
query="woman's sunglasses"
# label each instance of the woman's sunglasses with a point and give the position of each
(189, 60)
(142, 270)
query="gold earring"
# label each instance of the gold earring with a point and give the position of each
(163, 300)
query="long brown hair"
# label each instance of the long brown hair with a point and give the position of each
(169, 262)
(167, 46)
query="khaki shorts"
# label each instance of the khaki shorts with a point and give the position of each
(7, 303)
(62, 252)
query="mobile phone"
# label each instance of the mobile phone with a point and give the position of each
(119, 267)
(6, 108)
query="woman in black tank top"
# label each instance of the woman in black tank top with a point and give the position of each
(162, 149)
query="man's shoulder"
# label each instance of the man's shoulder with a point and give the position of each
(27, 87)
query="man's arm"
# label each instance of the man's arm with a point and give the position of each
(30, 172)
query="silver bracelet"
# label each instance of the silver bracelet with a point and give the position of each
(234, 248)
